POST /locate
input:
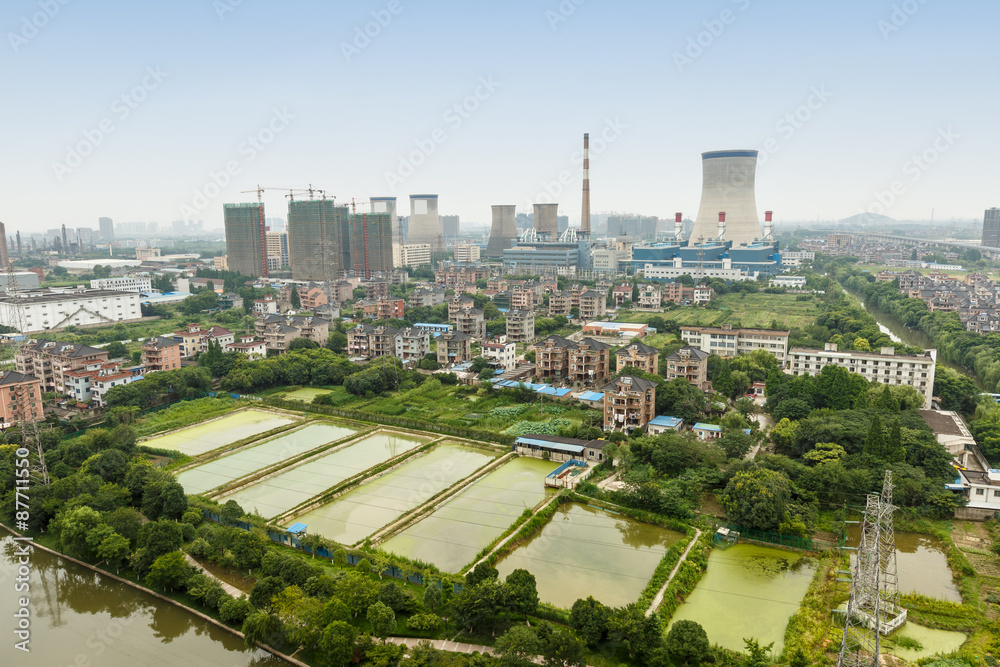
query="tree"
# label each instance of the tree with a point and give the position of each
(302, 344)
(824, 452)
(590, 619)
(481, 573)
(895, 452)
(757, 654)
(433, 599)
(637, 632)
(72, 526)
(382, 620)
(257, 626)
(562, 648)
(111, 465)
(757, 499)
(169, 571)
(295, 299)
(357, 592)
(114, 550)
(518, 646)
(116, 350)
(337, 643)
(479, 606)
(522, 592)
(736, 444)
(875, 446)
(687, 643)
(231, 512)
(235, 610)
(264, 590)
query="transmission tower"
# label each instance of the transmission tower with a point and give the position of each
(860, 645)
(892, 612)
(24, 397)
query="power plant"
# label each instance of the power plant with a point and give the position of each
(585, 207)
(503, 233)
(728, 208)
(547, 220)
(425, 223)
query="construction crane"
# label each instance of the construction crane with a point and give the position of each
(24, 399)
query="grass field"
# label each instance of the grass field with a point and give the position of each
(306, 394)
(875, 268)
(746, 310)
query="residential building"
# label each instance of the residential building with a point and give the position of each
(412, 344)
(523, 297)
(317, 247)
(377, 289)
(312, 296)
(560, 303)
(555, 448)
(585, 362)
(123, 284)
(691, 364)
(189, 339)
(664, 424)
(413, 254)
(629, 403)
(702, 294)
(61, 307)
(707, 431)
(454, 348)
(467, 253)
(220, 263)
(219, 335)
(521, 326)
(13, 385)
(458, 303)
(884, 367)
(254, 348)
(266, 306)
(728, 342)
(391, 308)
(502, 354)
(105, 382)
(621, 293)
(369, 309)
(623, 330)
(49, 361)
(991, 228)
(279, 331)
(426, 297)
(638, 355)
(161, 354)
(452, 276)
(650, 296)
(277, 248)
(472, 322)
(230, 300)
(592, 305)
(246, 241)
(678, 293)
(343, 291)
(368, 341)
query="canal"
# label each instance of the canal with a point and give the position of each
(80, 617)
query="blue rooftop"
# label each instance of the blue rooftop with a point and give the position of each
(669, 422)
(297, 528)
(707, 427)
(592, 396)
(547, 444)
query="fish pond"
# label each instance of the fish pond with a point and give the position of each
(205, 437)
(921, 565)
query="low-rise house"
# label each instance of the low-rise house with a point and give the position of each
(621, 293)
(102, 384)
(255, 348)
(343, 291)
(585, 362)
(663, 424)
(215, 334)
(457, 304)
(650, 296)
(426, 297)
(266, 306)
(707, 431)
(312, 296)
(503, 354)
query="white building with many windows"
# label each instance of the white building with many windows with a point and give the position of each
(60, 307)
(123, 284)
(884, 367)
(728, 342)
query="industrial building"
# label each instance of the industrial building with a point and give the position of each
(424, 223)
(60, 307)
(728, 179)
(246, 242)
(725, 260)
(123, 284)
(450, 226)
(503, 233)
(546, 220)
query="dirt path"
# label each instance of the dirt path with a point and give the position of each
(680, 561)
(229, 588)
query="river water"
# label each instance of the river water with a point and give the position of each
(82, 618)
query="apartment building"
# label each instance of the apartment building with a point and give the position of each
(690, 363)
(472, 321)
(161, 354)
(49, 361)
(884, 367)
(426, 297)
(467, 253)
(458, 303)
(391, 308)
(560, 303)
(629, 403)
(452, 276)
(728, 342)
(454, 348)
(13, 384)
(638, 355)
(312, 296)
(521, 326)
(585, 362)
(503, 354)
(593, 305)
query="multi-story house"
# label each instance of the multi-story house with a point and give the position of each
(454, 348)
(503, 354)
(343, 291)
(278, 331)
(412, 344)
(691, 364)
(161, 354)
(472, 321)
(585, 362)
(458, 303)
(560, 303)
(650, 296)
(376, 289)
(427, 297)
(217, 334)
(390, 308)
(266, 306)
(255, 348)
(884, 367)
(621, 293)
(593, 305)
(521, 326)
(13, 384)
(638, 355)
(728, 342)
(312, 296)
(522, 298)
(629, 403)
(48, 361)
(702, 294)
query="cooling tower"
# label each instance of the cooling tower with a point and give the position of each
(503, 232)
(728, 186)
(547, 220)
(387, 205)
(425, 223)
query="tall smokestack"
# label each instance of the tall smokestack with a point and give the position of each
(678, 225)
(585, 209)
(768, 227)
(722, 225)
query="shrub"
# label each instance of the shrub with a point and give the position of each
(424, 622)
(234, 611)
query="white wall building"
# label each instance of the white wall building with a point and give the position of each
(61, 307)
(884, 367)
(503, 353)
(726, 272)
(794, 282)
(123, 284)
(728, 342)
(254, 348)
(467, 253)
(412, 254)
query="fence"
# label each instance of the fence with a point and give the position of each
(792, 541)
(392, 420)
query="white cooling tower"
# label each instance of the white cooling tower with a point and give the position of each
(728, 187)
(425, 223)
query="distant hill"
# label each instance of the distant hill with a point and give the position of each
(867, 220)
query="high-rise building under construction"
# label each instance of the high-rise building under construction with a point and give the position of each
(369, 243)
(991, 228)
(325, 240)
(246, 238)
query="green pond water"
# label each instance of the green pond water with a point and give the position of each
(239, 464)
(280, 493)
(359, 513)
(921, 565)
(79, 617)
(932, 639)
(453, 534)
(306, 394)
(212, 435)
(748, 591)
(586, 551)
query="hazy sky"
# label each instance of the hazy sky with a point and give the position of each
(128, 109)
